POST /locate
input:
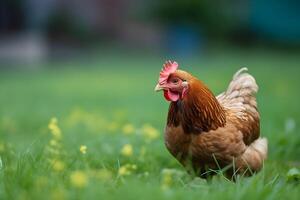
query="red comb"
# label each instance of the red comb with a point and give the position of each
(169, 68)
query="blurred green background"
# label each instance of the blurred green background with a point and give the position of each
(79, 118)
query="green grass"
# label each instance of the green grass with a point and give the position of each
(93, 100)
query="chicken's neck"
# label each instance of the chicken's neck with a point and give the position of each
(198, 112)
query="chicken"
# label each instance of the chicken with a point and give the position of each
(207, 133)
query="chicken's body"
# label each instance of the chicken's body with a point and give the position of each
(206, 132)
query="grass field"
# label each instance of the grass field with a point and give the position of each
(93, 129)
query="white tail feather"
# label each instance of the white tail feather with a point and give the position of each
(254, 156)
(261, 145)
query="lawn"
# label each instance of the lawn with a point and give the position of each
(93, 129)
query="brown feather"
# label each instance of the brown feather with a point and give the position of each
(198, 111)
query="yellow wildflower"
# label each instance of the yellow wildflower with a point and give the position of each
(55, 130)
(150, 132)
(79, 179)
(58, 165)
(128, 129)
(83, 149)
(123, 171)
(166, 179)
(126, 169)
(127, 150)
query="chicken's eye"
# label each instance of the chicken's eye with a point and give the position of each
(174, 81)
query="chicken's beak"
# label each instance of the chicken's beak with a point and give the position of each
(158, 87)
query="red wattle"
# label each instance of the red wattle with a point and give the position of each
(171, 96)
(166, 95)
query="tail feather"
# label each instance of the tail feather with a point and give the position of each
(244, 69)
(254, 156)
(243, 82)
(240, 92)
(240, 101)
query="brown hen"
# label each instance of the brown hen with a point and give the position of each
(207, 133)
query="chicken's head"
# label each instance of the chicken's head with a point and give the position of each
(173, 82)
